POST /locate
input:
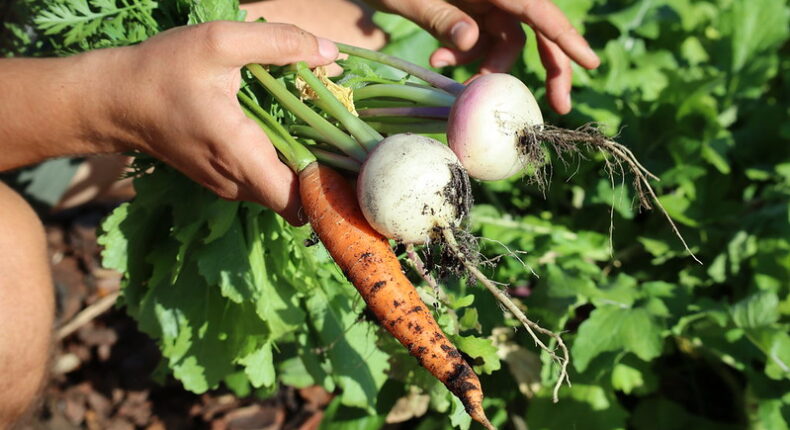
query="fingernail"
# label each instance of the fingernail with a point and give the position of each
(327, 48)
(568, 102)
(440, 63)
(457, 33)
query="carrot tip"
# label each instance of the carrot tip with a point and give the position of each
(481, 418)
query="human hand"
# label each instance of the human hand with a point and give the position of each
(177, 102)
(491, 29)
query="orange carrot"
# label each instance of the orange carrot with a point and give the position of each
(367, 260)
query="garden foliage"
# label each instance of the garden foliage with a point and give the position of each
(699, 91)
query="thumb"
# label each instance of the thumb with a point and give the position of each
(445, 21)
(240, 43)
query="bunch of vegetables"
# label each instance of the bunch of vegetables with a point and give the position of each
(413, 189)
(430, 206)
(234, 297)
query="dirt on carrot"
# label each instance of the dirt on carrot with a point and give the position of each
(367, 260)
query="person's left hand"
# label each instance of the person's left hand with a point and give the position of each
(491, 29)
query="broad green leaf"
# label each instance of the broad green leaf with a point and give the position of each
(676, 205)
(469, 320)
(259, 366)
(458, 416)
(214, 10)
(582, 406)
(769, 416)
(755, 29)
(225, 263)
(407, 41)
(201, 335)
(564, 283)
(464, 301)
(614, 328)
(479, 349)
(340, 417)
(220, 215)
(299, 366)
(238, 383)
(358, 365)
(775, 344)
(277, 302)
(114, 241)
(622, 291)
(758, 310)
(633, 376)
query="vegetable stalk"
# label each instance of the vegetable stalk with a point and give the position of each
(422, 95)
(436, 79)
(296, 155)
(329, 132)
(367, 136)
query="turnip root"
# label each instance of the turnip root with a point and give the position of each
(412, 186)
(488, 124)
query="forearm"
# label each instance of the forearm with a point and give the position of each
(57, 107)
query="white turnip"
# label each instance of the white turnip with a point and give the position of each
(411, 186)
(489, 123)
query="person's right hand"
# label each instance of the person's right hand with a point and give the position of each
(491, 30)
(176, 100)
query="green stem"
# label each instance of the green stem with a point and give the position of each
(327, 101)
(327, 157)
(296, 155)
(422, 95)
(305, 131)
(336, 160)
(422, 127)
(369, 80)
(377, 103)
(432, 112)
(329, 132)
(436, 79)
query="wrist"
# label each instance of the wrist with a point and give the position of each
(52, 107)
(104, 102)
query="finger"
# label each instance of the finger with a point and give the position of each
(452, 26)
(508, 42)
(559, 76)
(211, 175)
(546, 18)
(240, 43)
(264, 178)
(444, 56)
(241, 152)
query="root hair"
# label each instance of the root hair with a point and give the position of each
(564, 142)
(563, 359)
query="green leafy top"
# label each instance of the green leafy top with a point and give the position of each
(84, 25)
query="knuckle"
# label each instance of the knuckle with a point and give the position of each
(437, 16)
(215, 36)
(290, 40)
(226, 191)
(563, 33)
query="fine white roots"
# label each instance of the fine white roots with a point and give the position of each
(562, 360)
(564, 141)
(416, 262)
(641, 174)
